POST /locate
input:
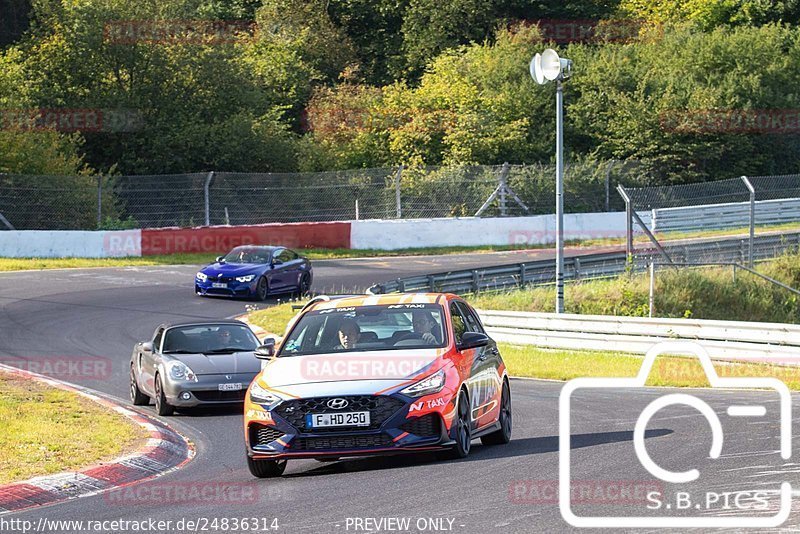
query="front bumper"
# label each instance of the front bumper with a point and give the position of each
(231, 289)
(206, 390)
(279, 433)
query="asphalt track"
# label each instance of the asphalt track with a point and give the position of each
(92, 313)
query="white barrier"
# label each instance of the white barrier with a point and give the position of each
(734, 340)
(70, 244)
(726, 215)
(474, 231)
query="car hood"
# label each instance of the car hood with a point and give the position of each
(347, 373)
(233, 269)
(216, 364)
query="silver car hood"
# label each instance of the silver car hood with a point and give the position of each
(347, 373)
(216, 364)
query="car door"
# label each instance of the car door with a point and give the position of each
(484, 383)
(278, 274)
(294, 267)
(147, 362)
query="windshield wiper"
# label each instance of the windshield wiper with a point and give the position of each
(179, 351)
(226, 350)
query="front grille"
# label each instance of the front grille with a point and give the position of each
(380, 409)
(263, 435)
(220, 396)
(341, 442)
(425, 426)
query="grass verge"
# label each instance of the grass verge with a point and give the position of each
(709, 293)
(537, 362)
(48, 430)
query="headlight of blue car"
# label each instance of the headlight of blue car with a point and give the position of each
(202, 277)
(248, 278)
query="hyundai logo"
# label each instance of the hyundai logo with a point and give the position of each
(337, 404)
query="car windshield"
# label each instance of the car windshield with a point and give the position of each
(248, 255)
(207, 339)
(366, 328)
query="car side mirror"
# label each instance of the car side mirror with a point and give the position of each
(220, 259)
(147, 346)
(266, 351)
(473, 340)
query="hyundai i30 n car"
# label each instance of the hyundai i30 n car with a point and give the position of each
(195, 363)
(371, 375)
(255, 272)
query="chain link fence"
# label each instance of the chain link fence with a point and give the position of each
(217, 198)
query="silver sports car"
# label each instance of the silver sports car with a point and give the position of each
(194, 363)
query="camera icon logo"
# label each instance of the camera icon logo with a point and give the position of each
(674, 477)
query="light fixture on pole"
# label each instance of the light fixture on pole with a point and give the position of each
(548, 67)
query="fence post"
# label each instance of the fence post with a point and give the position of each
(503, 187)
(207, 195)
(475, 282)
(357, 218)
(611, 163)
(752, 219)
(99, 201)
(522, 275)
(652, 286)
(397, 176)
(628, 223)
(577, 261)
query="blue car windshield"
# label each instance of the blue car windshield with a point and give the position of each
(248, 255)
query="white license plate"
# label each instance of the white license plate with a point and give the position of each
(319, 420)
(236, 386)
(220, 285)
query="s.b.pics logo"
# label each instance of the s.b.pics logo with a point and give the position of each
(719, 453)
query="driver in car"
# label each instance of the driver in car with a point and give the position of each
(424, 323)
(349, 332)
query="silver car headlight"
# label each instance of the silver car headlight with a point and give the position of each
(181, 371)
(248, 278)
(432, 384)
(260, 395)
(203, 277)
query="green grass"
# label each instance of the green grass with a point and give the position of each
(275, 318)
(708, 293)
(47, 430)
(672, 371)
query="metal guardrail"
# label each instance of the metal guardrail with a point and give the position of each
(726, 215)
(589, 267)
(741, 341)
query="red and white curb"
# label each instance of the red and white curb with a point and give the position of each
(165, 451)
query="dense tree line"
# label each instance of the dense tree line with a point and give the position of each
(291, 85)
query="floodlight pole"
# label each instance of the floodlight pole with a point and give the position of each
(559, 197)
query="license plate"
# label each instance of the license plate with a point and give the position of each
(220, 285)
(236, 386)
(319, 420)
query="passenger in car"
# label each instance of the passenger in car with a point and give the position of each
(424, 325)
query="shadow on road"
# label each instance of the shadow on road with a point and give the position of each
(516, 448)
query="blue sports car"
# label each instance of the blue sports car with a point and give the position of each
(255, 272)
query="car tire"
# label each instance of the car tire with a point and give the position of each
(463, 434)
(503, 434)
(262, 289)
(162, 406)
(266, 468)
(304, 289)
(137, 397)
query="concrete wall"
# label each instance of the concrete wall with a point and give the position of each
(66, 244)
(471, 231)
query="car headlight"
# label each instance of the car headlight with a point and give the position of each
(248, 278)
(203, 277)
(181, 371)
(426, 386)
(260, 395)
